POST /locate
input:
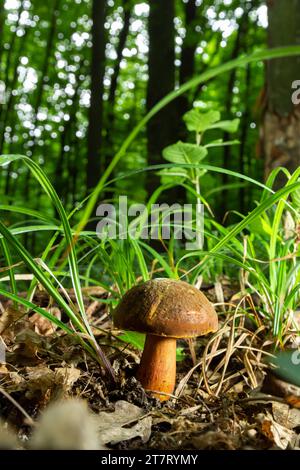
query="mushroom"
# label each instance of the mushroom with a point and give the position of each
(164, 309)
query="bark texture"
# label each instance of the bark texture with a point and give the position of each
(160, 129)
(281, 122)
(96, 105)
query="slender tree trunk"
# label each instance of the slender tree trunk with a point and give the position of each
(76, 157)
(161, 130)
(48, 53)
(8, 113)
(6, 76)
(2, 14)
(189, 46)
(60, 184)
(114, 78)
(95, 141)
(228, 101)
(110, 114)
(244, 134)
(9, 116)
(281, 123)
(122, 42)
(40, 88)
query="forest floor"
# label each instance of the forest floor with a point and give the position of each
(233, 402)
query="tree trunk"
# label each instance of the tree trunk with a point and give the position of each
(2, 12)
(189, 46)
(94, 157)
(122, 42)
(61, 185)
(41, 85)
(5, 74)
(161, 130)
(243, 137)
(281, 123)
(237, 48)
(110, 114)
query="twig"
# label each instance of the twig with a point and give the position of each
(17, 405)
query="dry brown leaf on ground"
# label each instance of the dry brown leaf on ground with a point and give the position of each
(66, 377)
(42, 325)
(39, 380)
(42, 380)
(27, 346)
(12, 321)
(13, 382)
(285, 415)
(282, 437)
(3, 369)
(111, 424)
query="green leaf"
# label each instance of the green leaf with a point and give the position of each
(221, 143)
(296, 199)
(227, 126)
(288, 366)
(260, 226)
(200, 172)
(135, 339)
(180, 354)
(184, 153)
(199, 122)
(173, 175)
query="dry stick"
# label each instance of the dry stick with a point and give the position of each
(17, 405)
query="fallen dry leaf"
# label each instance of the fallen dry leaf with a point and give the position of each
(286, 416)
(111, 424)
(66, 376)
(3, 369)
(44, 380)
(39, 380)
(42, 325)
(12, 321)
(278, 434)
(293, 400)
(26, 348)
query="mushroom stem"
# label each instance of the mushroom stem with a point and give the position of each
(157, 370)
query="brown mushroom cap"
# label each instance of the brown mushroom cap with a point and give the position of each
(166, 307)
